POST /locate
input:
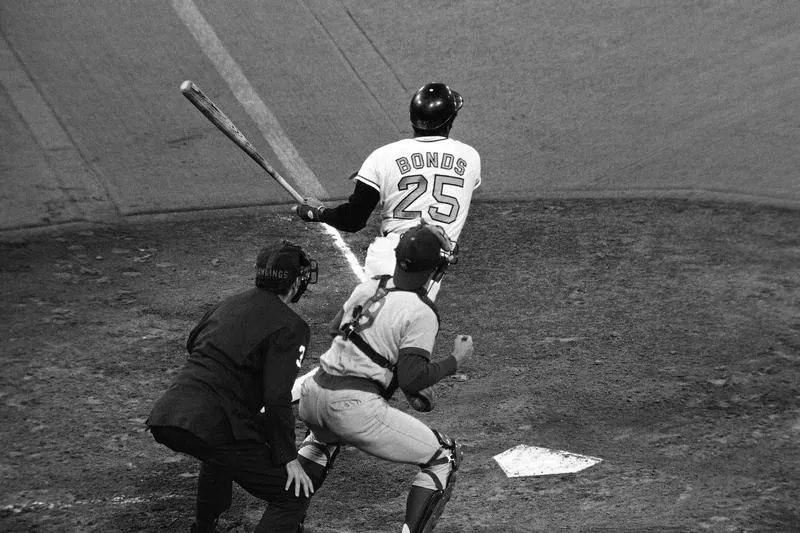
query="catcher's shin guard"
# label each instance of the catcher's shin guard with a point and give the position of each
(316, 458)
(432, 487)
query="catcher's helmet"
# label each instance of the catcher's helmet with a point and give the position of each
(424, 251)
(433, 105)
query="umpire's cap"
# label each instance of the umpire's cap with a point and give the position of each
(278, 265)
(419, 255)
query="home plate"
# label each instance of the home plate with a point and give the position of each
(524, 460)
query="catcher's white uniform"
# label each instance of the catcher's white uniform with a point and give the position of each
(339, 411)
(401, 320)
(432, 178)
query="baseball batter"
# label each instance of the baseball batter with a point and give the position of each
(385, 337)
(430, 177)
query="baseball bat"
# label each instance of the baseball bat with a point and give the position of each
(207, 107)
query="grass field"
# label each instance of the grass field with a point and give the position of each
(661, 336)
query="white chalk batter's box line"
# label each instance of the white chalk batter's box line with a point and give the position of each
(38, 505)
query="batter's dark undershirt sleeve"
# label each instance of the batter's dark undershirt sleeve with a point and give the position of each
(280, 371)
(415, 372)
(353, 215)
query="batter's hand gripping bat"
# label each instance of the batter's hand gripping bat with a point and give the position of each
(204, 104)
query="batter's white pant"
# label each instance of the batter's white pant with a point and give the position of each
(381, 260)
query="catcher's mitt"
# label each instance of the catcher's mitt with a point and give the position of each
(422, 401)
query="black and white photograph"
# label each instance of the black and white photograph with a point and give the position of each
(358, 266)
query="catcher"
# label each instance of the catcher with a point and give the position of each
(385, 335)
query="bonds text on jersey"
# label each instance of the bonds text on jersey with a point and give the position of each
(418, 161)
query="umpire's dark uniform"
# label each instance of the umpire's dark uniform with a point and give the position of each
(244, 354)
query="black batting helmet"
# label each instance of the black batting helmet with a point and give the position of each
(433, 105)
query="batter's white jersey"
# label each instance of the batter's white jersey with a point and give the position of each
(423, 177)
(398, 321)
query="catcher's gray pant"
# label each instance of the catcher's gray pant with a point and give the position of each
(366, 421)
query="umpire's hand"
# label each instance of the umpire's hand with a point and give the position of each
(295, 474)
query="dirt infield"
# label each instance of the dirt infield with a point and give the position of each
(661, 336)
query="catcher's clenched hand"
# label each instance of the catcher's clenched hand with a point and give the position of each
(462, 348)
